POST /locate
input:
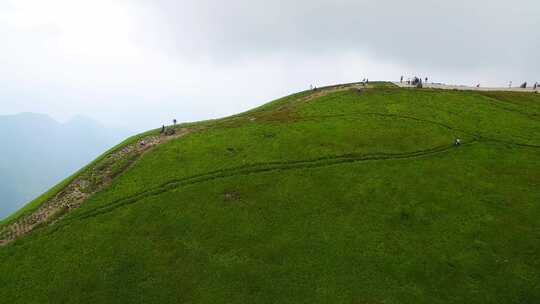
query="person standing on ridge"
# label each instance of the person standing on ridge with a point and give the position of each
(174, 121)
(401, 80)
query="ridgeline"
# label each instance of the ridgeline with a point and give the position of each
(344, 194)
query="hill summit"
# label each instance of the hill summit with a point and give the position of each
(343, 194)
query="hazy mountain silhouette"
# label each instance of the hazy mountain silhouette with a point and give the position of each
(37, 152)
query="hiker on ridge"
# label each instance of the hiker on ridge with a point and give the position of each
(401, 80)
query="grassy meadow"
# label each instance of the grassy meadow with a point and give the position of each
(342, 196)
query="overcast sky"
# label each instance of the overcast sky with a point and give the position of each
(139, 63)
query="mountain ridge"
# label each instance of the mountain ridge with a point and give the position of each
(341, 194)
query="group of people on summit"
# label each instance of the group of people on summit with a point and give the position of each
(415, 81)
(419, 82)
(535, 86)
(524, 85)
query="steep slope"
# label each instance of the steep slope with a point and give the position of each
(27, 139)
(337, 195)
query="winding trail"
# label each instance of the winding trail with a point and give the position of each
(81, 188)
(297, 164)
(260, 168)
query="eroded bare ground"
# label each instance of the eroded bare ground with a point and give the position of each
(284, 113)
(93, 180)
(326, 91)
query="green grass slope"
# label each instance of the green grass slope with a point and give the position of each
(336, 197)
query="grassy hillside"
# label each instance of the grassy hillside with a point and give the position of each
(334, 196)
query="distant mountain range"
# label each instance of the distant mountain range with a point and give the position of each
(36, 152)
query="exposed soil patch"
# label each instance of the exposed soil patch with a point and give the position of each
(231, 196)
(285, 112)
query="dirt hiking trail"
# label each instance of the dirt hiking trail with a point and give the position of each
(97, 177)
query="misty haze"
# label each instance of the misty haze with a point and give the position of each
(269, 152)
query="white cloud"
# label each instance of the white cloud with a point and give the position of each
(142, 62)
